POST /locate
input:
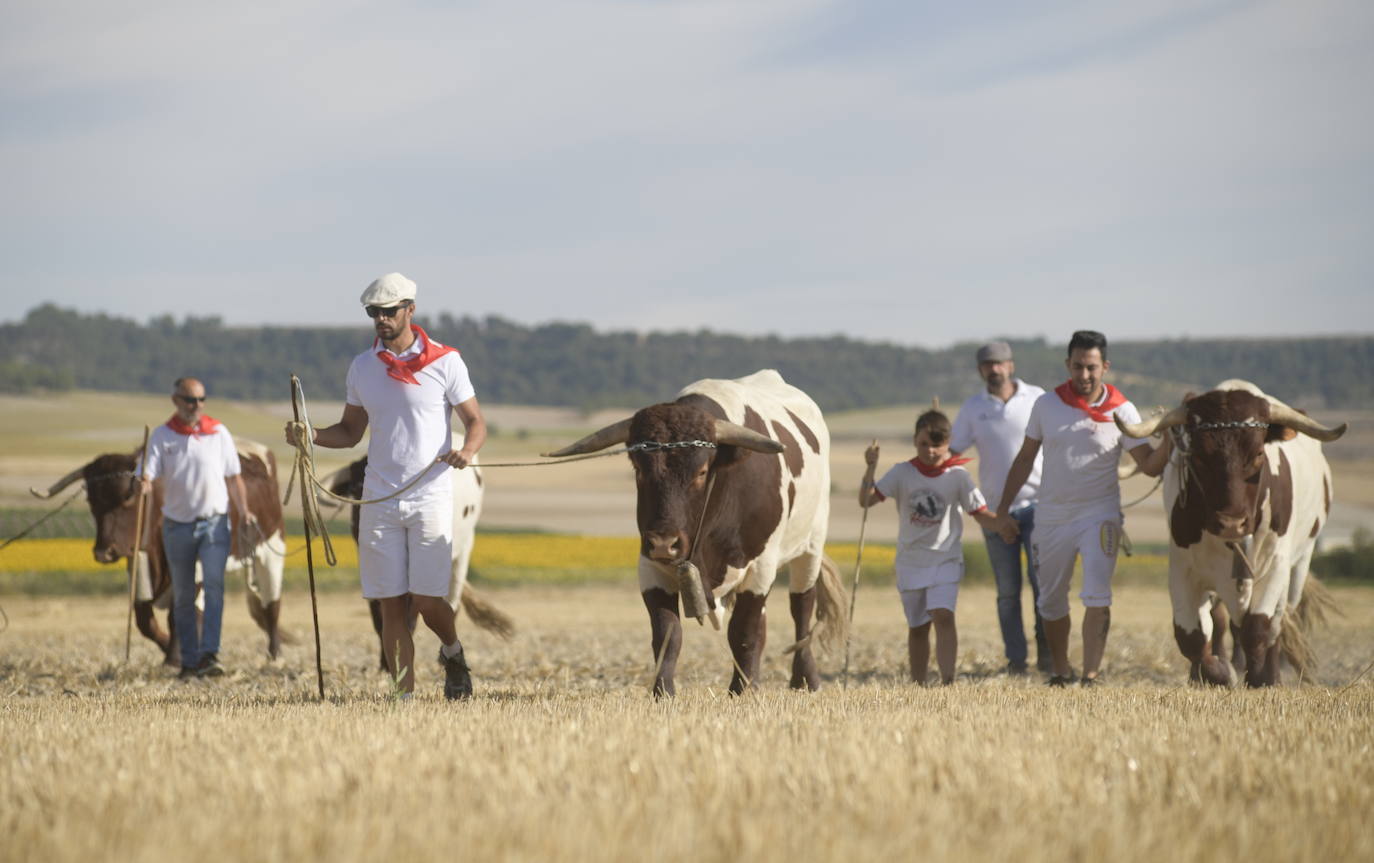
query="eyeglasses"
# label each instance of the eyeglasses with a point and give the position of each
(375, 312)
(190, 400)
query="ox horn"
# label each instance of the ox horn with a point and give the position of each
(729, 434)
(615, 433)
(1176, 417)
(1282, 414)
(59, 485)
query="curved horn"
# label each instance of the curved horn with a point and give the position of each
(736, 435)
(598, 440)
(1176, 417)
(60, 484)
(1282, 414)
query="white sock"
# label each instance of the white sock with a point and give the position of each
(452, 650)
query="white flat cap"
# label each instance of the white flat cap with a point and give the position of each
(390, 290)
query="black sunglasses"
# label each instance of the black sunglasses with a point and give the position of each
(191, 400)
(375, 312)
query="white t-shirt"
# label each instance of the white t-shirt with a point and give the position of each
(193, 468)
(998, 429)
(409, 422)
(1081, 455)
(929, 529)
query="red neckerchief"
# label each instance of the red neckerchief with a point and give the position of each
(940, 468)
(404, 370)
(1103, 412)
(205, 425)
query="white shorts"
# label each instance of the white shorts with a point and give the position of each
(917, 603)
(1054, 549)
(406, 546)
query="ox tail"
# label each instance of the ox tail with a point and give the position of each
(259, 615)
(832, 622)
(485, 615)
(1295, 643)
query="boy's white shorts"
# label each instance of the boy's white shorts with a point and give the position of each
(406, 546)
(918, 603)
(1055, 548)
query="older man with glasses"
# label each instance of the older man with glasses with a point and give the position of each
(404, 387)
(194, 455)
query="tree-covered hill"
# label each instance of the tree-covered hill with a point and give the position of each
(574, 365)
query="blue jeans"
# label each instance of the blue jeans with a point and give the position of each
(206, 539)
(1006, 569)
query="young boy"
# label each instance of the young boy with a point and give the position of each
(930, 556)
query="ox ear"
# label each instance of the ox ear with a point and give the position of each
(615, 433)
(729, 434)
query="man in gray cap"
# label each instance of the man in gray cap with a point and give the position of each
(994, 421)
(404, 387)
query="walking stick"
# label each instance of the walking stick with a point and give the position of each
(307, 495)
(854, 593)
(138, 540)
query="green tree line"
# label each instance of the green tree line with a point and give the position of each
(574, 365)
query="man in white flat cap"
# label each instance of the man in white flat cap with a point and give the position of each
(404, 387)
(994, 421)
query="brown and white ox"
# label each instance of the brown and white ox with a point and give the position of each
(755, 453)
(467, 508)
(111, 490)
(1246, 492)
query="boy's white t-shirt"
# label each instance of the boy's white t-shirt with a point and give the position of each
(1079, 478)
(409, 422)
(929, 529)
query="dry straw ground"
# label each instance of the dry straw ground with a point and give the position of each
(564, 756)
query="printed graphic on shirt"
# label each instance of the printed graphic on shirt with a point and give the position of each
(927, 508)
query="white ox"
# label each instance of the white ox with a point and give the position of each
(1246, 492)
(733, 477)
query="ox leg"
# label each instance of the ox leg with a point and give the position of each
(272, 614)
(746, 636)
(375, 609)
(1259, 654)
(1205, 665)
(145, 619)
(1221, 623)
(804, 673)
(666, 625)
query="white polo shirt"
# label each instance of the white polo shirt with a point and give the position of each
(193, 468)
(1081, 455)
(929, 528)
(998, 429)
(409, 422)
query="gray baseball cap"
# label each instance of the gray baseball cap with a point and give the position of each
(994, 352)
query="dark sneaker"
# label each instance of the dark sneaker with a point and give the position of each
(1090, 681)
(1017, 669)
(457, 678)
(1062, 680)
(187, 674)
(209, 666)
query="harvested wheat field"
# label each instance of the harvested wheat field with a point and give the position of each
(563, 755)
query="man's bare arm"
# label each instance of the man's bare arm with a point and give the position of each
(341, 435)
(474, 433)
(1152, 460)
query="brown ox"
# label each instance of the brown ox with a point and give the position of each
(467, 508)
(111, 490)
(753, 456)
(1247, 491)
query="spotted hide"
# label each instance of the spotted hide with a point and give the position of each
(111, 492)
(467, 508)
(1246, 493)
(753, 454)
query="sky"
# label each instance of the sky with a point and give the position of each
(910, 171)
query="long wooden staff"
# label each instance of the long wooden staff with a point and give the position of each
(138, 540)
(854, 593)
(308, 494)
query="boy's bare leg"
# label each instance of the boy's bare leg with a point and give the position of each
(1096, 623)
(918, 652)
(946, 642)
(1057, 634)
(438, 616)
(397, 644)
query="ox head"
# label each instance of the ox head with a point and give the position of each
(1225, 433)
(671, 482)
(111, 492)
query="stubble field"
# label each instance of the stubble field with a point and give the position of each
(563, 754)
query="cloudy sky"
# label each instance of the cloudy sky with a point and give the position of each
(921, 172)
